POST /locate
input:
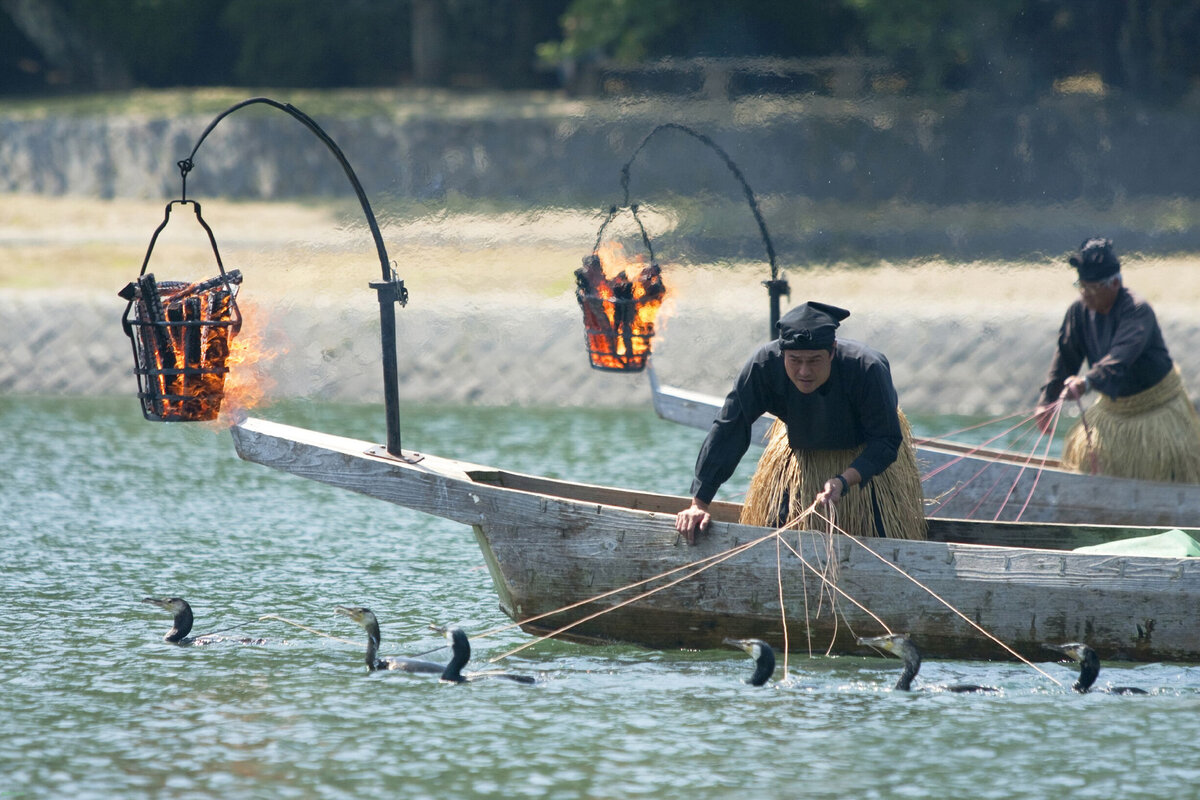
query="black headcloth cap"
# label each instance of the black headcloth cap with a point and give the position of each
(1095, 260)
(810, 326)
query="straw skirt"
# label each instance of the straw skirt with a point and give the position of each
(786, 482)
(1152, 435)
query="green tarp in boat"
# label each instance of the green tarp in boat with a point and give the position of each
(1172, 544)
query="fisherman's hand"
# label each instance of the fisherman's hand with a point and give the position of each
(1074, 388)
(692, 519)
(833, 490)
(1044, 416)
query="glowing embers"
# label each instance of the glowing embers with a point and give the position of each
(618, 313)
(181, 335)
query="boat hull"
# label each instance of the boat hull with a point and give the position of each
(599, 563)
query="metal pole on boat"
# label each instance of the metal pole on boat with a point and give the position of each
(390, 290)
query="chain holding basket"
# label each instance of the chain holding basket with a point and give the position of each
(181, 333)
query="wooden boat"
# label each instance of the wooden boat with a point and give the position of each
(600, 552)
(990, 484)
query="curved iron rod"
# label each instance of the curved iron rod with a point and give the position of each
(776, 286)
(390, 291)
(737, 173)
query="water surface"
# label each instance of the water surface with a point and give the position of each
(100, 508)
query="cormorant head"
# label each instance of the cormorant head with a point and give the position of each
(171, 604)
(898, 644)
(180, 610)
(1089, 662)
(366, 618)
(363, 616)
(763, 655)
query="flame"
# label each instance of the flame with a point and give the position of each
(247, 384)
(619, 313)
(198, 357)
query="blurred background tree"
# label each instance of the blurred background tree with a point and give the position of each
(1018, 49)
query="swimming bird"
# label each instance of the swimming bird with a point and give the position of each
(183, 624)
(460, 646)
(898, 644)
(1089, 668)
(763, 655)
(366, 618)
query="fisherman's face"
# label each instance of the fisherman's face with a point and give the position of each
(808, 369)
(1099, 296)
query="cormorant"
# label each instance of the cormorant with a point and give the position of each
(461, 648)
(366, 618)
(452, 672)
(763, 655)
(898, 644)
(183, 624)
(1089, 668)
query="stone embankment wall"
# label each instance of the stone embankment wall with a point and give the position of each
(982, 360)
(63, 343)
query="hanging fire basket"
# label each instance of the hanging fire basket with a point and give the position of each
(619, 312)
(181, 332)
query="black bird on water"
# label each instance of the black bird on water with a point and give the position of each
(183, 624)
(763, 655)
(460, 648)
(1089, 668)
(898, 644)
(366, 618)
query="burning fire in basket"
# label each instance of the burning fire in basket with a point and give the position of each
(619, 312)
(182, 335)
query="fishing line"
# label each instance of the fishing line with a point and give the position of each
(970, 428)
(945, 499)
(306, 628)
(1087, 432)
(1021, 471)
(1049, 436)
(728, 555)
(974, 450)
(947, 604)
(835, 587)
(620, 589)
(713, 561)
(807, 626)
(782, 608)
(223, 630)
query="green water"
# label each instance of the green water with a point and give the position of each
(100, 508)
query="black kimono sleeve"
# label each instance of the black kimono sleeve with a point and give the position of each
(729, 437)
(877, 410)
(1068, 356)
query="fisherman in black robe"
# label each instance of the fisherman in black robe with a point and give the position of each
(1142, 425)
(841, 429)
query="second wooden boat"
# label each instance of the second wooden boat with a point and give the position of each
(990, 484)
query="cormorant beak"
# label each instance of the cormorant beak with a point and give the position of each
(158, 601)
(884, 643)
(1068, 650)
(741, 644)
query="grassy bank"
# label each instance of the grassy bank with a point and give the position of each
(491, 256)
